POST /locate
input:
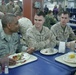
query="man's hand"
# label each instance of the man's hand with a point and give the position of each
(71, 45)
(30, 50)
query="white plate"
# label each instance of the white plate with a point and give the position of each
(67, 59)
(48, 51)
(27, 58)
(24, 57)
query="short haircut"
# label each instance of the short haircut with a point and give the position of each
(65, 12)
(7, 18)
(40, 13)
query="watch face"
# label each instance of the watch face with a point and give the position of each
(37, 4)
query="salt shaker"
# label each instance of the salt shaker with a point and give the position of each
(6, 69)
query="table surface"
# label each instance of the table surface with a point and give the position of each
(51, 59)
(45, 65)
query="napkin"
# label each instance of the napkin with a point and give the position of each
(62, 47)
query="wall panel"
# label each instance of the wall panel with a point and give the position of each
(28, 8)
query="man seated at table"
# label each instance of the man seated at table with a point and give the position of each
(24, 23)
(40, 36)
(62, 31)
(9, 39)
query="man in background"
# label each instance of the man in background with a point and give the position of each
(16, 8)
(46, 9)
(9, 6)
(49, 19)
(62, 31)
(3, 7)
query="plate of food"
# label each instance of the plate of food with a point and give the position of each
(70, 58)
(21, 59)
(49, 51)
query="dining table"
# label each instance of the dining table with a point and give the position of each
(44, 65)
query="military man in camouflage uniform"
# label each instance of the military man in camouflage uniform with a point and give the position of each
(40, 36)
(62, 31)
(9, 38)
(9, 6)
(3, 7)
(16, 8)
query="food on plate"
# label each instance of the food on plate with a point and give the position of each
(18, 57)
(71, 55)
(46, 51)
(49, 51)
(23, 61)
(12, 62)
(15, 57)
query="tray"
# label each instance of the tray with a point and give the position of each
(30, 59)
(63, 61)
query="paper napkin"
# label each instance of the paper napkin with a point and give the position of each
(62, 47)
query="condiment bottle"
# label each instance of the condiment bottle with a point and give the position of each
(6, 69)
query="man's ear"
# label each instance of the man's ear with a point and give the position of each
(8, 25)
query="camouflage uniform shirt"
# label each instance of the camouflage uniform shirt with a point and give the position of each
(62, 35)
(40, 40)
(9, 43)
